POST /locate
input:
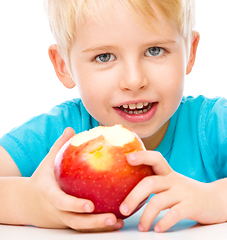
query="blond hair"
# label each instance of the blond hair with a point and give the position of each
(66, 15)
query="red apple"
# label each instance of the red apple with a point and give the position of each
(92, 165)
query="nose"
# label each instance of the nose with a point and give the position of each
(133, 77)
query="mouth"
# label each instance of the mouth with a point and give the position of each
(136, 108)
(137, 112)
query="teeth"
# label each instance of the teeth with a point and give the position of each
(138, 108)
(134, 106)
(140, 105)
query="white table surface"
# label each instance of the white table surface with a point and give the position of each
(184, 230)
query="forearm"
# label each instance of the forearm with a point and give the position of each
(220, 187)
(13, 197)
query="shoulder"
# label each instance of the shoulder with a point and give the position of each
(74, 105)
(206, 116)
(202, 102)
(71, 113)
(202, 107)
(207, 110)
(201, 136)
(212, 132)
(29, 143)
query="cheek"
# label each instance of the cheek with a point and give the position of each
(85, 82)
(173, 92)
(169, 83)
(94, 93)
(175, 76)
(94, 82)
(172, 86)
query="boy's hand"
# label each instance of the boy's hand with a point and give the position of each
(184, 197)
(50, 207)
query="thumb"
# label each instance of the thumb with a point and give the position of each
(48, 162)
(66, 136)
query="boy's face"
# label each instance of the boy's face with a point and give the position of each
(128, 75)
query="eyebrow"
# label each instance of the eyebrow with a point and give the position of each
(161, 42)
(109, 47)
(96, 48)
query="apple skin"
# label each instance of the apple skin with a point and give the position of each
(99, 172)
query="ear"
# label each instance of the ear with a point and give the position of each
(60, 66)
(193, 50)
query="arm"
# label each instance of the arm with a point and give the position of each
(9, 187)
(39, 201)
(205, 203)
(8, 166)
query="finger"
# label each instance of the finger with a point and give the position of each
(152, 158)
(65, 202)
(92, 222)
(117, 226)
(173, 216)
(156, 204)
(147, 186)
(68, 133)
(48, 162)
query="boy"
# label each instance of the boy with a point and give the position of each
(129, 60)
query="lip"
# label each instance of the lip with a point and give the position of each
(138, 118)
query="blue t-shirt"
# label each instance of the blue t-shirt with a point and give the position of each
(195, 143)
(29, 144)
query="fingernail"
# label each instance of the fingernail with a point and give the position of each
(87, 208)
(118, 225)
(141, 228)
(109, 222)
(157, 229)
(131, 157)
(124, 208)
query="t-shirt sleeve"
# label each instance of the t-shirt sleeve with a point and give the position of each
(30, 143)
(214, 135)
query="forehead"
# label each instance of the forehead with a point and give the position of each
(123, 31)
(104, 12)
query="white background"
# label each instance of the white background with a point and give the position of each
(28, 85)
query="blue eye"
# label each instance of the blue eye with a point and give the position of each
(154, 52)
(106, 57)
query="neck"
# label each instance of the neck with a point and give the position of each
(152, 142)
